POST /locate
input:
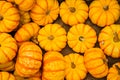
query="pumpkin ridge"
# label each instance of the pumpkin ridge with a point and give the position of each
(113, 15)
(97, 20)
(22, 1)
(27, 31)
(10, 6)
(82, 16)
(78, 74)
(20, 37)
(93, 59)
(44, 78)
(3, 3)
(8, 76)
(94, 12)
(53, 70)
(5, 25)
(40, 6)
(8, 36)
(112, 50)
(96, 67)
(11, 48)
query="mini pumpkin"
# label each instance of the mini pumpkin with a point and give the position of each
(114, 72)
(6, 76)
(28, 31)
(52, 37)
(104, 12)
(9, 66)
(75, 68)
(73, 11)
(45, 11)
(25, 5)
(96, 62)
(9, 17)
(28, 59)
(8, 48)
(53, 66)
(109, 40)
(81, 37)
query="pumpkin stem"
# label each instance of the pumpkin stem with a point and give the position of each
(105, 61)
(106, 7)
(81, 38)
(51, 37)
(116, 38)
(47, 12)
(1, 17)
(73, 65)
(72, 9)
(34, 39)
(118, 69)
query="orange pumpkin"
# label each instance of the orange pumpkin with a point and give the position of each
(9, 66)
(26, 32)
(73, 11)
(75, 68)
(6, 76)
(45, 11)
(104, 12)
(53, 66)
(81, 37)
(9, 17)
(109, 40)
(8, 48)
(25, 5)
(52, 37)
(96, 62)
(28, 59)
(114, 72)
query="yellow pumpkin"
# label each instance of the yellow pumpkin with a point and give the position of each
(28, 59)
(96, 62)
(52, 37)
(8, 48)
(109, 40)
(81, 37)
(26, 32)
(53, 66)
(74, 67)
(104, 12)
(6, 76)
(9, 17)
(25, 5)
(9, 66)
(114, 72)
(73, 11)
(45, 11)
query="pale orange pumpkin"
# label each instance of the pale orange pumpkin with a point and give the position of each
(28, 60)
(53, 66)
(9, 17)
(74, 67)
(6, 76)
(8, 48)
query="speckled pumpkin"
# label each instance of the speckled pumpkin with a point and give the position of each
(104, 12)
(6, 76)
(73, 11)
(9, 17)
(28, 31)
(53, 66)
(9, 66)
(96, 62)
(114, 72)
(8, 48)
(75, 68)
(45, 11)
(28, 60)
(81, 37)
(25, 5)
(52, 37)
(109, 40)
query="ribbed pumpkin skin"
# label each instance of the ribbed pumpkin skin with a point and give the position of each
(9, 17)
(96, 62)
(26, 32)
(45, 11)
(73, 12)
(8, 48)
(75, 68)
(53, 66)
(28, 60)
(81, 37)
(6, 76)
(25, 5)
(109, 40)
(104, 12)
(114, 72)
(52, 37)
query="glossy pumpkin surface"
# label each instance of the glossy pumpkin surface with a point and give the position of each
(73, 11)
(6, 76)
(109, 40)
(81, 37)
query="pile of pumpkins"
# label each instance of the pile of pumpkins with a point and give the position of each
(33, 21)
